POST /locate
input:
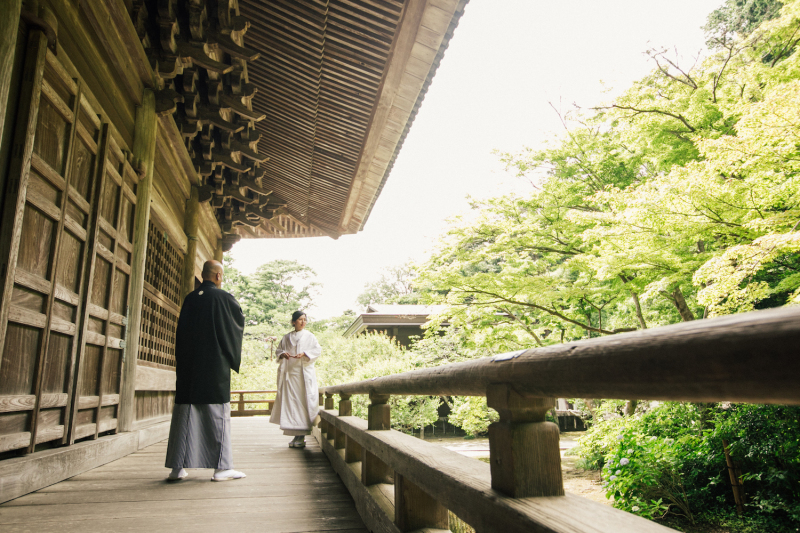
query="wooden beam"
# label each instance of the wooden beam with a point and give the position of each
(731, 358)
(105, 29)
(144, 149)
(190, 227)
(21, 475)
(154, 379)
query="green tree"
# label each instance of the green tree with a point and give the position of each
(273, 291)
(395, 286)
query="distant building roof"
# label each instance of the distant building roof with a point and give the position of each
(403, 309)
(392, 315)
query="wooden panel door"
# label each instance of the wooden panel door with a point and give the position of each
(104, 319)
(65, 247)
(45, 227)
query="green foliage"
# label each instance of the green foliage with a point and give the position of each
(738, 18)
(765, 441)
(679, 200)
(273, 292)
(471, 414)
(671, 460)
(395, 286)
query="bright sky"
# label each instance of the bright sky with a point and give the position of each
(508, 60)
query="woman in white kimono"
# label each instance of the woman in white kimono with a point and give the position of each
(296, 404)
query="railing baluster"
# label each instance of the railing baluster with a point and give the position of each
(416, 509)
(523, 447)
(379, 418)
(379, 415)
(345, 409)
(345, 405)
(352, 450)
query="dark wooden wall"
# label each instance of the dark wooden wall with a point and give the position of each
(66, 248)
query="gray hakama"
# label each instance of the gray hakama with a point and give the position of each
(200, 436)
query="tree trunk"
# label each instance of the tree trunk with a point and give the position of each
(680, 303)
(630, 407)
(677, 299)
(639, 314)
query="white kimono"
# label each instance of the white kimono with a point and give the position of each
(297, 404)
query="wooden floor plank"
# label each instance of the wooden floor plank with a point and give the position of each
(287, 490)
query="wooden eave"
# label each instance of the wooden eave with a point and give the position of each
(339, 83)
(335, 80)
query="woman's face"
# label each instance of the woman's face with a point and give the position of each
(300, 323)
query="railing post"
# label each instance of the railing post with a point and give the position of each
(373, 470)
(345, 409)
(415, 509)
(241, 402)
(345, 405)
(523, 447)
(326, 427)
(379, 413)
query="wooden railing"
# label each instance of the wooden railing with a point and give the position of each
(238, 403)
(400, 483)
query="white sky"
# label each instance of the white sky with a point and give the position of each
(506, 62)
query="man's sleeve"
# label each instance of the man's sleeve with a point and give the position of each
(229, 322)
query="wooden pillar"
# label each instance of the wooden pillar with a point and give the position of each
(415, 509)
(190, 228)
(373, 470)
(218, 253)
(144, 149)
(328, 401)
(523, 447)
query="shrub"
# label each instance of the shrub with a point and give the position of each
(671, 460)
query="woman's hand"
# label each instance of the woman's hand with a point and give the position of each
(299, 356)
(284, 355)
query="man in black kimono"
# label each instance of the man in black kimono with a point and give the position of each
(208, 344)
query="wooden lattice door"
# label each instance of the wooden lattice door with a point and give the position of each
(105, 309)
(51, 236)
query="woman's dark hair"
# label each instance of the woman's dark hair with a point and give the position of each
(296, 315)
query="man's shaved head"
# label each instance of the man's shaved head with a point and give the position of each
(212, 271)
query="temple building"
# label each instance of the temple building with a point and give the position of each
(399, 321)
(140, 138)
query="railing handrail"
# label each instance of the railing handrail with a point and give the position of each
(750, 357)
(253, 391)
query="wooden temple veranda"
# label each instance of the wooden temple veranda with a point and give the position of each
(140, 138)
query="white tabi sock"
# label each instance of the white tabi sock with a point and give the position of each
(226, 475)
(177, 474)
